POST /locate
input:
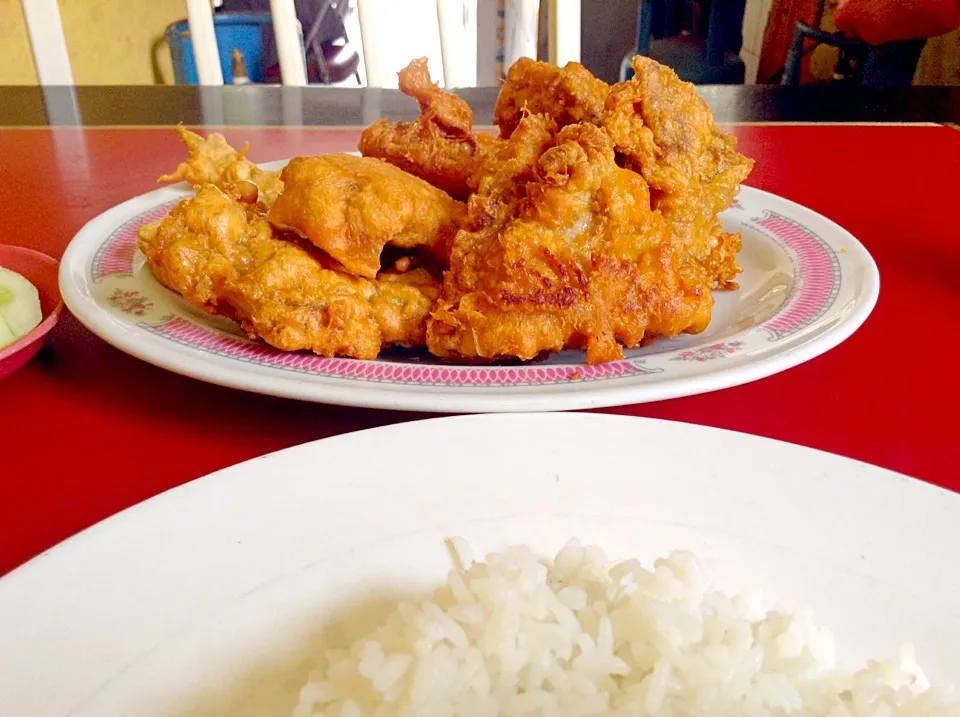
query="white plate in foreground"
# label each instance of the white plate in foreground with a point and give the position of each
(206, 600)
(807, 285)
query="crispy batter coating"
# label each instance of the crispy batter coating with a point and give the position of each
(580, 260)
(502, 181)
(439, 146)
(213, 161)
(591, 222)
(223, 256)
(666, 132)
(568, 94)
(352, 207)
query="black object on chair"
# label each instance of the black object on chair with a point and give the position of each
(330, 49)
(860, 63)
(330, 57)
(699, 39)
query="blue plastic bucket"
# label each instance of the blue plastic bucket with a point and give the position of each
(234, 31)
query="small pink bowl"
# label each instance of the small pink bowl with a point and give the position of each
(41, 271)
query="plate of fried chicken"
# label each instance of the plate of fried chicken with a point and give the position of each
(598, 250)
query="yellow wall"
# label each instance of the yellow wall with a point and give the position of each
(16, 61)
(111, 42)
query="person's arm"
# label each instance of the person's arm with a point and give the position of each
(882, 21)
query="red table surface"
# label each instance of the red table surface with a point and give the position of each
(86, 430)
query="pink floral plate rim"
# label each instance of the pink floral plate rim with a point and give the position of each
(814, 260)
(831, 285)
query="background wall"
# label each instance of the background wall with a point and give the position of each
(112, 42)
(121, 41)
(940, 61)
(16, 61)
(608, 31)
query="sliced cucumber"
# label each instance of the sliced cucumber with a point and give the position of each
(19, 307)
(7, 336)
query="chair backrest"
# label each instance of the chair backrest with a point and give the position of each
(457, 22)
(462, 26)
(478, 39)
(47, 42)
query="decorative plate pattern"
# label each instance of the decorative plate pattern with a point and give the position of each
(798, 270)
(818, 268)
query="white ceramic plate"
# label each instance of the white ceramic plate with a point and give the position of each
(207, 600)
(807, 285)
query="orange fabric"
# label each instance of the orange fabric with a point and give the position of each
(881, 21)
(778, 35)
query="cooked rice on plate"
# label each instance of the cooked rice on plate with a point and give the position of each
(519, 634)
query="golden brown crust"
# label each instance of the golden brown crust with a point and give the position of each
(223, 256)
(592, 223)
(352, 207)
(213, 161)
(666, 133)
(566, 94)
(577, 259)
(439, 146)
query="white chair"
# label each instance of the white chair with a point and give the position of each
(467, 39)
(469, 31)
(47, 42)
(52, 61)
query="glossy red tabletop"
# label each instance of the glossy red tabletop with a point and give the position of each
(86, 431)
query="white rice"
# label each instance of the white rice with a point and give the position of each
(522, 635)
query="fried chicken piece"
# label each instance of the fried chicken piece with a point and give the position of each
(501, 181)
(439, 146)
(352, 207)
(568, 94)
(223, 256)
(580, 261)
(213, 161)
(667, 133)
